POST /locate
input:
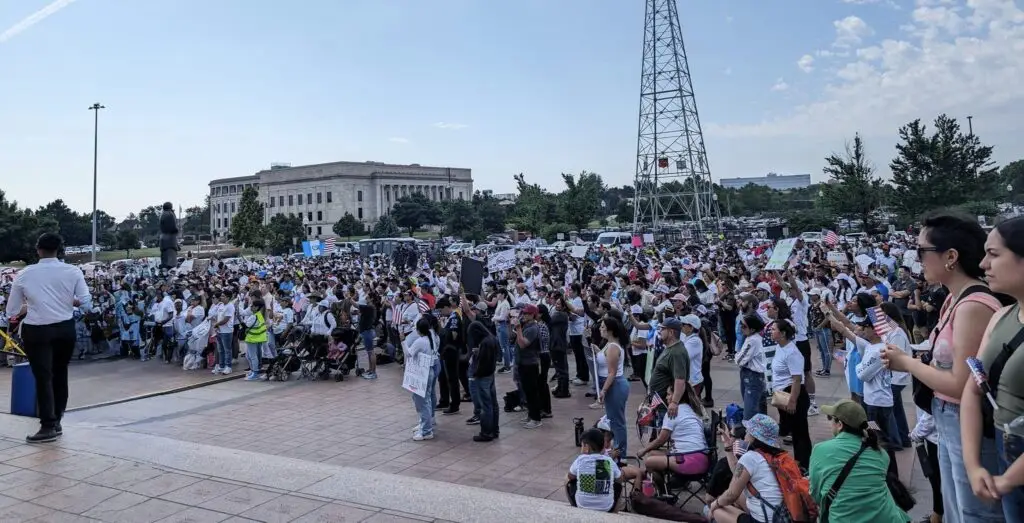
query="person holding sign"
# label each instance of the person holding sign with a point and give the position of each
(421, 363)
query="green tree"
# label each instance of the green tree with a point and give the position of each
(489, 213)
(1012, 174)
(580, 202)
(944, 168)
(247, 228)
(281, 232)
(349, 226)
(809, 221)
(386, 228)
(534, 207)
(854, 190)
(459, 219)
(550, 231)
(127, 241)
(414, 211)
(197, 219)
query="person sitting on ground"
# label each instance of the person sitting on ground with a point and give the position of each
(594, 480)
(751, 468)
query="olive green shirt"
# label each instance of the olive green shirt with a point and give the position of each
(864, 496)
(674, 363)
(1010, 393)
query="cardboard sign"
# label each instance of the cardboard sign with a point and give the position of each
(838, 258)
(579, 251)
(780, 256)
(501, 260)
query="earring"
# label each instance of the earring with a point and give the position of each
(949, 267)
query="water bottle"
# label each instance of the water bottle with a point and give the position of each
(1015, 427)
(578, 430)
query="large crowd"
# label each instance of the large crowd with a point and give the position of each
(933, 316)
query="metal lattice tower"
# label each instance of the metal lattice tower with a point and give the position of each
(673, 181)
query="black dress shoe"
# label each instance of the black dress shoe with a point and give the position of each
(482, 438)
(59, 430)
(43, 436)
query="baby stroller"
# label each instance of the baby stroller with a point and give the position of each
(287, 360)
(337, 361)
(197, 338)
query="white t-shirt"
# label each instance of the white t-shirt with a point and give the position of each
(596, 475)
(876, 378)
(799, 309)
(695, 350)
(687, 430)
(899, 338)
(763, 479)
(786, 363)
(227, 310)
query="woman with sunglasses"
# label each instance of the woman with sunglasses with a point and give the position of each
(950, 249)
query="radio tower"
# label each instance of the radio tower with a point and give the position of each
(672, 180)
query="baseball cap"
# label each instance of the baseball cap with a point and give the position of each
(530, 308)
(672, 323)
(679, 297)
(847, 411)
(690, 320)
(762, 286)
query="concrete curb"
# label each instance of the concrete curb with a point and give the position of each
(157, 393)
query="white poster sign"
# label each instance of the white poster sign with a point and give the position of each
(417, 373)
(780, 256)
(838, 258)
(579, 251)
(501, 260)
(863, 262)
(648, 238)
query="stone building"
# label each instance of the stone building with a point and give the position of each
(323, 193)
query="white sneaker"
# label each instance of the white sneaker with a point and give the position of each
(216, 369)
(578, 382)
(597, 405)
(813, 410)
(225, 371)
(420, 437)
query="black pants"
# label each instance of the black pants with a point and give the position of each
(545, 392)
(448, 380)
(795, 425)
(705, 371)
(639, 364)
(529, 378)
(464, 376)
(49, 349)
(932, 451)
(582, 368)
(560, 360)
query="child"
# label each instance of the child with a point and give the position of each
(594, 480)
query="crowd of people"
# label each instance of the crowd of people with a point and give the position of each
(904, 317)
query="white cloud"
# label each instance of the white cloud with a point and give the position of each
(918, 74)
(450, 126)
(850, 31)
(806, 63)
(780, 85)
(34, 19)
(397, 139)
(889, 3)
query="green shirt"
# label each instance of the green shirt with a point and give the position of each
(1010, 394)
(673, 364)
(864, 496)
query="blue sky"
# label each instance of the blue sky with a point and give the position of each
(200, 89)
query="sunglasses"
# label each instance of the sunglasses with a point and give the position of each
(922, 250)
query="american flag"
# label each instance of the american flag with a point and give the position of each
(329, 246)
(882, 322)
(831, 238)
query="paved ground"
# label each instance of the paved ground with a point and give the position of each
(368, 425)
(94, 475)
(96, 382)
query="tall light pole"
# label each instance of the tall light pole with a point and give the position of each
(970, 125)
(95, 162)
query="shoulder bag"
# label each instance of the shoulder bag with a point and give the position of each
(833, 491)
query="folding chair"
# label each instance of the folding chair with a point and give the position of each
(692, 485)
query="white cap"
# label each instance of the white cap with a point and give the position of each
(691, 320)
(762, 286)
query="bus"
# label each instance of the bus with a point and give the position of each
(385, 246)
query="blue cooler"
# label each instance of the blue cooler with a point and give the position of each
(23, 391)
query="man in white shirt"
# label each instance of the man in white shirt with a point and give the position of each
(52, 290)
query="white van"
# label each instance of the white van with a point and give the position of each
(612, 239)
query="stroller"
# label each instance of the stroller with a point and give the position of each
(197, 338)
(287, 361)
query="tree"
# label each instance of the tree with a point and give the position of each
(196, 219)
(127, 241)
(282, 231)
(581, 200)
(349, 226)
(386, 228)
(247, 226)
(414, 211)
(489, 213)
(534, 208)
(853, 191)
(1013, 175)
(946, 168)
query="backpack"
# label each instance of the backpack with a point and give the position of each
(797, 504)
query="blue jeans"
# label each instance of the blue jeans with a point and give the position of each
(752, 388)
(504, 343)
(485, 403)
(824, 339)
(615, 409)
(223, 355)
(900, 413)
(959, 501)
(425, 404)
(1009, 449)
(252, 354)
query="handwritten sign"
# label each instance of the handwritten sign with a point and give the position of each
(781, 254)
(417, 374)
(501, 260)
(838, 258)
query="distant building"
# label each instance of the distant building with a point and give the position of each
(322, 194)
(779, 182)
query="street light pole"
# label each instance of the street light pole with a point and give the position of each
(95, 162)
(970, 125)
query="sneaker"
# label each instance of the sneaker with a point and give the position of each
(532, 424)
(225, 371)
(578, 382)
(546, 415)
(369, 375)
(475, 420)
(597, 405)
(823, 374)
(504, 370)
(441, 406)
(216, 369)
(59, 430)
(561, 395)
(813, 410)
(787, 440)
(450, 410)
(43, 436)
(422, 437)
(252, 376)
(482, 438)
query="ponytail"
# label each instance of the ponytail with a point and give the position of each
(869, 435)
